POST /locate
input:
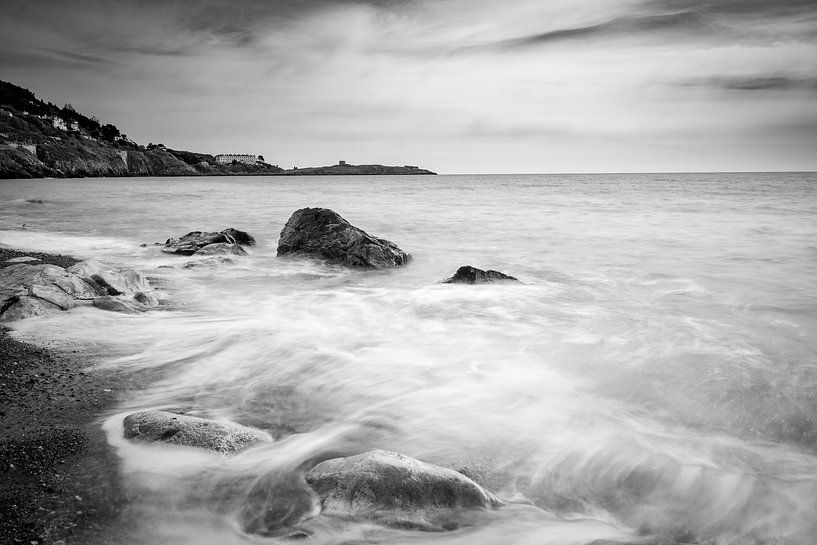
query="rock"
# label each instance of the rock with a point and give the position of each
(221, 248)
(191, 431)
(276, 502)
(209, 262)
(22, 307)
(146, 299)
(39, 290)
(323, 233)
(194, 241)
(240, 237)
(109, 280)
(471, 275)
(118, 304)
(22, 259)
(395, 490)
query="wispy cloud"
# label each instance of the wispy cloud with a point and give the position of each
(436, 82)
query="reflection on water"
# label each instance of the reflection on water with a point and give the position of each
(653, 379)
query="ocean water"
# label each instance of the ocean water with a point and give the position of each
(654, 378)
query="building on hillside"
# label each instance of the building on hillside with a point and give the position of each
(247, 159)
(59, 123)
(73, 125)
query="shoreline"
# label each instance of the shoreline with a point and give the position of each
(61, 481)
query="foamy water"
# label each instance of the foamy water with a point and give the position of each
(655, 375)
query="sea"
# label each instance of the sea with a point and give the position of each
(652, 378)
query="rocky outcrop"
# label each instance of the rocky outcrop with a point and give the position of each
(39, 290)
(471, 275)
(395, 490)
(178, 429)
(323, 233)
(228, 241)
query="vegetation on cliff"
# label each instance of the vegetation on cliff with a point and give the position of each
(39, 139)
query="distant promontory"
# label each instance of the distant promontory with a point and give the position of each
(40, 140)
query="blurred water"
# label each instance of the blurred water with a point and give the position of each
(654, 378)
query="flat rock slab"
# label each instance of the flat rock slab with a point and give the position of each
(395, 490)
(323, 233)
(22, 259)
(40, 290)
(191, 431)
(471, 275)
(195, 241)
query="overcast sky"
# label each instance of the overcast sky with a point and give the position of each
(451, 85)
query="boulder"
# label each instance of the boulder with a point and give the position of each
(194, 241)
(323, 233)
(109, 280)
(395, 490)
(178, 429)
(41, 290)
(471, 275)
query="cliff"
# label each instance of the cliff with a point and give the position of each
(39, 139)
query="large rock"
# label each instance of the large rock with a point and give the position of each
(109, 280)
(191, 431)
(194, 241)
(395, 490)
(41, 290)
(471, 275)
(323, 233)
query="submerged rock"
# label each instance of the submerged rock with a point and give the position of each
(191, 431)
(194, 241)
(471, 275)
(395, 490)
(221, 248)
(323, 233)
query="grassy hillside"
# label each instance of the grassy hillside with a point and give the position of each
(33, 145)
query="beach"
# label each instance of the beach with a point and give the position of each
(647, 379)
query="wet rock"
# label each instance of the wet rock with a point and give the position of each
(276, 502)
(146, 299)
(240, 237)
(22, 307)
(109, 280)
(471, 275)
(221, 248)
(41, 290)
(191, 431)
(194, 241)
(395, 490)
(118, 304)
(209, 262)
(323, 233)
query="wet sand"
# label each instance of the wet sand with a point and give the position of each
(59, 478)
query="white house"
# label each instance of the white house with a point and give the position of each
(226, 158)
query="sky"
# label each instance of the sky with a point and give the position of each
(456, 86)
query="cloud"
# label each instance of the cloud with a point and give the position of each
(567, 83)
(770, 82)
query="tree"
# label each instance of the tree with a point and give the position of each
(261, 158)
(109, 132)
